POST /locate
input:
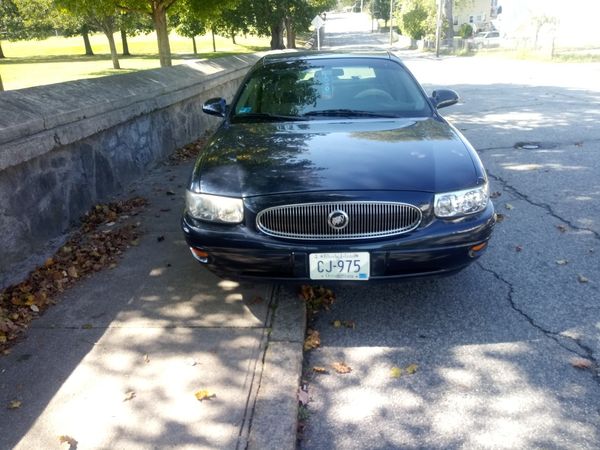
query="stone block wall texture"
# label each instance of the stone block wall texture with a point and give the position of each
(67, 146)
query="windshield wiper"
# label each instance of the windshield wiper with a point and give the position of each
(346, 113)
(267, 117)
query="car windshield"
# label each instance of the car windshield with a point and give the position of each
(322, 88)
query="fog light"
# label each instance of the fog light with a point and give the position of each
(200, 255)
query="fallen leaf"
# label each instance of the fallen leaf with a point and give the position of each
(499, 217)
(581, 363)
(395, 372)
(313, 340)
(518, 248)
(562, 228)
(135, 242)
(337, 323)
(509, 206)
(204, 395)
(319, 369)
(146, 358)
(302, 397)
(160, 238)
(170, 193)
(341, 367)
(87, 326)
(582, 279)
(34, 308)
(15, 404)
(411, 369)
(129, 395)
(68, 440)
(562, 262)
(495, 194)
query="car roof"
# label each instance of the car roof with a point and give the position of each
(317, 55)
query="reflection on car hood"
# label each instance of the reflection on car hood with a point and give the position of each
(251, 159)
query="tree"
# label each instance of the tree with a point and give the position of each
(380, 9)
(101, 14)
(417, 18)
(11, 23)
(131, 24)
(157, 10)
(188, 22)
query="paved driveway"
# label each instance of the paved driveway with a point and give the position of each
(494, 344)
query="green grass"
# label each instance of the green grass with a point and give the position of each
(58, 59)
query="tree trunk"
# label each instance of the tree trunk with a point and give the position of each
(290, 32)
(233, 38)
(1, 85)
(194, 42)
(277, 36)
(448, 13)
(124, 42)
(1, 52)
(212, 31)
(159, 17)
(113, 48)
(86, 41)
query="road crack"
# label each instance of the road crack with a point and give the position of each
(568, 343)
(545, 206)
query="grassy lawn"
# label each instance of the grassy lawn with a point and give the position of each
(57, 59)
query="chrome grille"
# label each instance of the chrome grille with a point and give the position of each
(365, 220)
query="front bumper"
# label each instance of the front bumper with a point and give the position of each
(442, 247)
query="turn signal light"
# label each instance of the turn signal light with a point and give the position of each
(479, 247)
(200, 255)
(474, 251)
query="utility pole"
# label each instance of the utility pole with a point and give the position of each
(391, 20)
(438, 26)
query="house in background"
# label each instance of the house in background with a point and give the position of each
(477, 13)
(534, 23)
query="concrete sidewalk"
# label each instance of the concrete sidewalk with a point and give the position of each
(117, 362)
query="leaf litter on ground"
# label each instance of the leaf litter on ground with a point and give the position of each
(341, 367)
(204, 394)
(91, 248)
(312, 340)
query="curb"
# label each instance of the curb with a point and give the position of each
(275, 419)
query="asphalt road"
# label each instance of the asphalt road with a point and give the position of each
(494, 344)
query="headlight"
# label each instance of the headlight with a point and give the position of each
(459, 203)
(214, 208)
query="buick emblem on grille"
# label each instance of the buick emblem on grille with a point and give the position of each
(338, 219)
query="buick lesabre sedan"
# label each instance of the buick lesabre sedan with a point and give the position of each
(334, 166)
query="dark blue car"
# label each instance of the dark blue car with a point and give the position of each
(336, 167)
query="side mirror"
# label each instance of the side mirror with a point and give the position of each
(215, 107)
(443, 97)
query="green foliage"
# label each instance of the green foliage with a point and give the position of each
(380, 9)
(465, 31)
(417, 18)
(38, 17)
(11, 22)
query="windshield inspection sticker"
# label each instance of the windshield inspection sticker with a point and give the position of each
(246, 109)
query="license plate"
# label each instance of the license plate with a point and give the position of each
(339, 266)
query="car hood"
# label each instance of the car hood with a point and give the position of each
(250, 159)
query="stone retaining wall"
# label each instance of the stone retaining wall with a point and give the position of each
(67, 146)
